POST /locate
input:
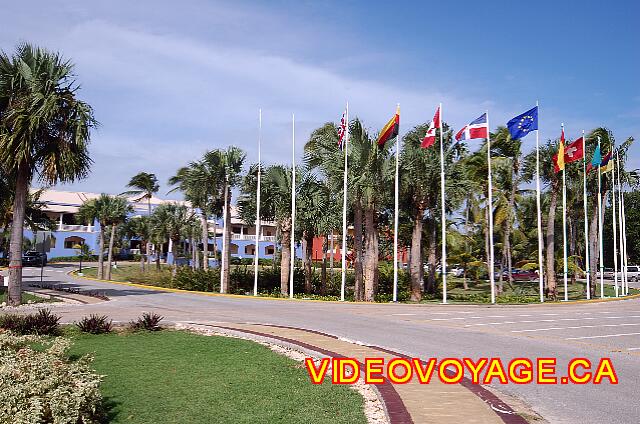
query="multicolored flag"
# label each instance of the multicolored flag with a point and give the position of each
(390, 130)
(523, 124)
(430, 136)
(477, 128)
(342, 129)
(558, 158)
(607, 164)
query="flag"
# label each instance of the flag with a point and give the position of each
(558, 158)
(430, 136)
(607, 164)
(523, 124)
(390, 130)
(342, 129)
(596, 159)
(476, 129)
(574, 151)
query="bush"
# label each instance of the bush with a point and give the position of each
(4, 262)
(43, 386)
(147, 322)
(95, 324)
(42, 322)
(73, 259)
(199, 279)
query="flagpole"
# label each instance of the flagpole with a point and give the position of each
(257, 249)
(564, 223)
(395, 219)
(444, 217)
(344, 210)
(600, 224)
(223, 260)
(623, 270)
(624, 239)
(293, 203)
(614, 226)
(490, 213)
(538, 205)
(586, 215)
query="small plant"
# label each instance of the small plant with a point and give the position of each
(95, 324)
(42, 323)
(147, 322)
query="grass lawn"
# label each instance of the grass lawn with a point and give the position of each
(521, 290)
(179, 377)
(26, 297)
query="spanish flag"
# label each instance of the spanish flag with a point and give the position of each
(390, 130)
(558, 158)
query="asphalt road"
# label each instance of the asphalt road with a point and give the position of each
(594, 330)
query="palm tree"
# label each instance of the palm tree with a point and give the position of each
(145, 185)
(44, 131)
(171, 221)
(420, 182)
(232, 161)
(115, 211)
(275, 206)
(139, 227)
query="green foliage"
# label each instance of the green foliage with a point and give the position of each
(73, 259)
(43, 385)
(95, 324)
(198, 280)
(147, 322)
(42, 322)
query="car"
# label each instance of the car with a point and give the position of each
(34, 259)
(633, 273)
(524, 275)
(456, 270)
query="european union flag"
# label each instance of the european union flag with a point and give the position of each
(523, 124)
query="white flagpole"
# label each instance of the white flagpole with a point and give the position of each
(624, 242)
(257, 250)
(490, 213)
(564, 225)
(614, 227)
(224, 234)
(444, 217)
(600, 224)
(395, 218)
(620, 231)
(345, 146)
(293, 203)
(586, 215)
(538, 205)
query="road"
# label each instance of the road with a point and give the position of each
(593, 330)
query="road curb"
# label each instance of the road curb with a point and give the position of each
(242, 296)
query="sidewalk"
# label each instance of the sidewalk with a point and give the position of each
(405, 403)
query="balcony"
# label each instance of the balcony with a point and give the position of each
(252, 237)
(76, 228)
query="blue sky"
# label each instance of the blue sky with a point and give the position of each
(170, 80)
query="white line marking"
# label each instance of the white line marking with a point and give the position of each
(634, 348)
(401, 315)
(547, 320)
(573, 328)
(603, 336)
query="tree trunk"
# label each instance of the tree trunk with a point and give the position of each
(143, 260)
(594, 248)
(323, 277)
(357, 248)
(307, 242)
(101, 252)
(333, 244)
(110, 259)
(487, 248)
(572, 244)
(15, 245)
(205, 241)
(552, 290)
(158, 253)
(215, 241)
(174, 253)
(416, 269)
(432, 259)
(227, 244)
(371, 256)
(285, 262)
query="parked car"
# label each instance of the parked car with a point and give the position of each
(33, 258)
(524, 275)
(633, 273)
(456, 270)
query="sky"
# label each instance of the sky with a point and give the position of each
(170, 80)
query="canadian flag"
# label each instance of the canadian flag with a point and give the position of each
(430, 136)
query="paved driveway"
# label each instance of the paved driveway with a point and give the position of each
(594, 330)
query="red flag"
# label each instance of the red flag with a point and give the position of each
(342, 129)
(574, 151)
(430, 136)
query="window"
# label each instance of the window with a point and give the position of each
(71, 242)
(269, 250)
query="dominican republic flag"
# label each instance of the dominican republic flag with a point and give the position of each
(476, 129)
(342, 129)
(430, 136)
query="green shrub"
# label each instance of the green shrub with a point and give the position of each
(95, 324)
(73, 259)
(198, 280)
(42, 322)
(4, 262)
(147, 322)
(44, 386)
